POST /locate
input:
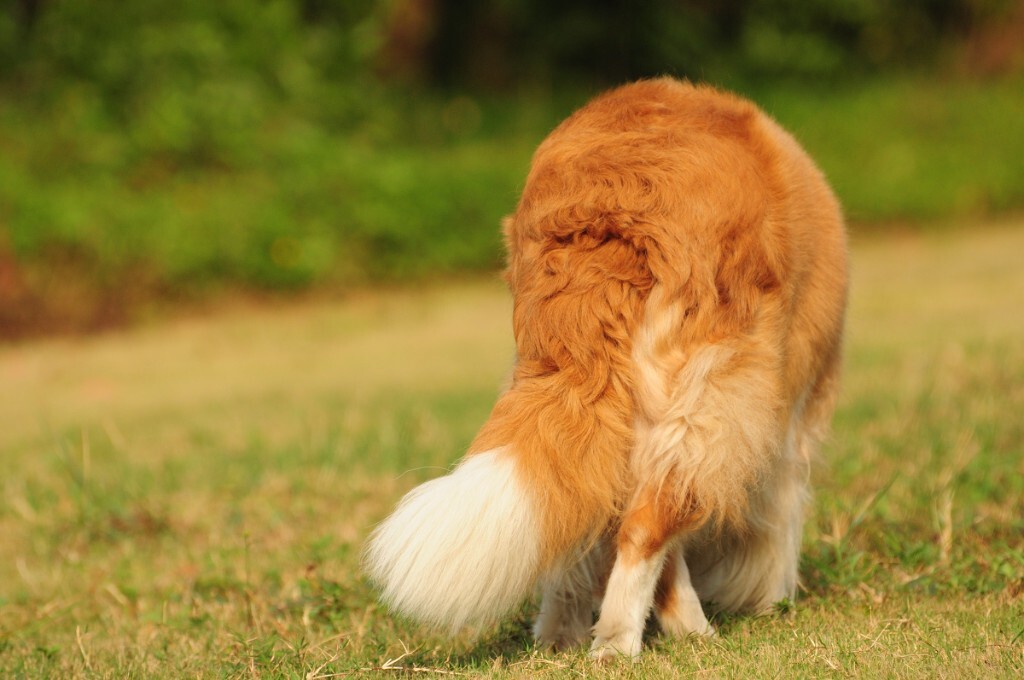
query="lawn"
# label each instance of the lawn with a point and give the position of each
(189, 497)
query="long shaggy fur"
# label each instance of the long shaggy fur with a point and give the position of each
(678, 267)
(455, 536)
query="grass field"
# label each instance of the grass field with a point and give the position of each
(189, 498)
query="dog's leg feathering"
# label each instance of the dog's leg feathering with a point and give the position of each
(568, 600)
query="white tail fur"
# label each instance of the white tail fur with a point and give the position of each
(461, 549)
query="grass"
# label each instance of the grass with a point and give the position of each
(189, 497)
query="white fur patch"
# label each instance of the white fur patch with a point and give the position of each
(461, 549)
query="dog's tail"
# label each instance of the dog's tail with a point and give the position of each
(461, 549)
(549, 470)
(466, 548)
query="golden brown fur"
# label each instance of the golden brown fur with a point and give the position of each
(694, 191)
(678, 268)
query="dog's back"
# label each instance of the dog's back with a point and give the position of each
(678, 269)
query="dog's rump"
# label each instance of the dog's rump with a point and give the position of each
(677, 265)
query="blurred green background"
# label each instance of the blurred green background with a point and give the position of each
(161, 152)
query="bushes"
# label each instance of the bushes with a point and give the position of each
(169, 149)
(594, 41)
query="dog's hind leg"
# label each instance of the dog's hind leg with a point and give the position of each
(569, 597)
(676, 602)
(752, 571)
(649, 527)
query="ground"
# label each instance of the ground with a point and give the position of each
(190, 496)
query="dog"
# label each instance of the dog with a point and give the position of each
(678, 267)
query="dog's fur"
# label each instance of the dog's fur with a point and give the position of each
(679, 272)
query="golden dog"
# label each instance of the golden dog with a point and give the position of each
(679, 273)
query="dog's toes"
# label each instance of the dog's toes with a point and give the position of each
(603, 655)
(698, 629)
(606, 650)
(683, 621)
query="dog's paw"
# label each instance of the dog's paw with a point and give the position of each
(684, 617)
(606, 649)
(685, 624)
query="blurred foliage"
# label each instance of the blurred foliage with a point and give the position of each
(165, 150)
(597, 40)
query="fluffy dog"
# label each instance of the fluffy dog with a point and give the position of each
(679, 273)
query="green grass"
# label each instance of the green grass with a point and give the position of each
(189, 498)
(406, 186)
